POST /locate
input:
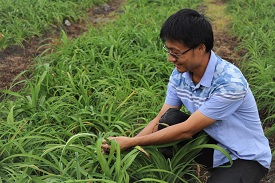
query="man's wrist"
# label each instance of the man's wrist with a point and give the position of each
(134, 141)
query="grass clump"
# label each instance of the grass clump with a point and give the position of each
(23, 19)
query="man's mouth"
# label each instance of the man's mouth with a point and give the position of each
(177, 65)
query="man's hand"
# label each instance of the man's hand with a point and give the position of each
(124, 143)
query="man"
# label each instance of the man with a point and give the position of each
(218, 97)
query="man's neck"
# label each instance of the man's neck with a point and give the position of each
(198, 74)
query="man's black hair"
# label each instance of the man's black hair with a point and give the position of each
(189, 27)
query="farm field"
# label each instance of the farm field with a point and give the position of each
(82, 82)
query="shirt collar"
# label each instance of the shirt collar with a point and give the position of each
(208, 75)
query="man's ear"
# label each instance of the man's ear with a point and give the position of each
(202, 48)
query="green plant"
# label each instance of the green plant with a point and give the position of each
(21, 20)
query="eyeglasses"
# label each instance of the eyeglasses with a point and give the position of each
(176, 55)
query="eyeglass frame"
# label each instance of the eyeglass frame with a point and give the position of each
(176, 55)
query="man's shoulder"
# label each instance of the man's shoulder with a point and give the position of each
(229, 79)
(227, 68)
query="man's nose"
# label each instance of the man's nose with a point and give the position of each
(171, 58)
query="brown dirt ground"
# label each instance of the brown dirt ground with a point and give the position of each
(14, 60)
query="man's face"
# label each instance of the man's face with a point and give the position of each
(184, 58)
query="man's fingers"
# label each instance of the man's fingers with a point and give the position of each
(105, 146)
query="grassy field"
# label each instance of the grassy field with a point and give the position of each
(110, 81)
(23, 19)
(256, 31)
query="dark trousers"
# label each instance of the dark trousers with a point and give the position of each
(242, 171)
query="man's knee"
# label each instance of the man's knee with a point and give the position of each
(171, 117)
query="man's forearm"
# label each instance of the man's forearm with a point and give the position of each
(164, 136)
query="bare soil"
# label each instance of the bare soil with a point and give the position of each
(15, 60)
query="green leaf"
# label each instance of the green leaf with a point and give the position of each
(10, 118)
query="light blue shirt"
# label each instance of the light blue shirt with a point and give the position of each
(223, 94)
